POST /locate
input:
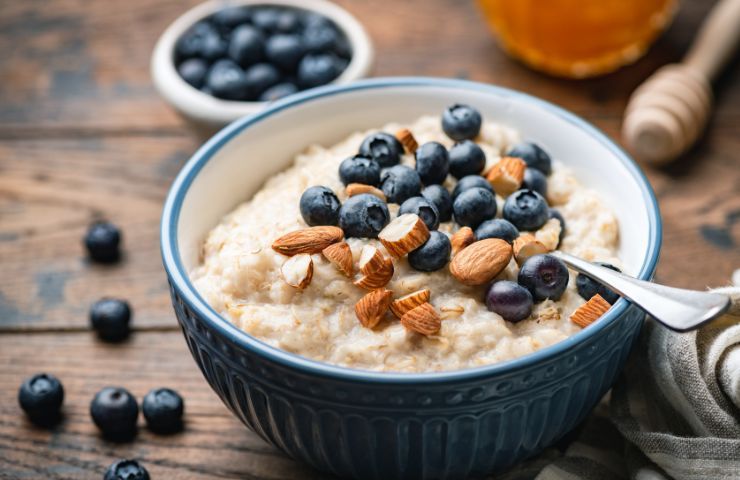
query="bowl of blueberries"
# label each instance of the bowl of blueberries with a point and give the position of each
(222, 60)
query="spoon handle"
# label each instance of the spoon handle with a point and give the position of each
(676, 308)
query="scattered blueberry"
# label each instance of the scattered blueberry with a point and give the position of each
(533, 155)
(193, 71)
(247, 45)
(588, 287)
(424, 209)
(230, 17)
(461, 122)
(227, 80)
(544, 276)
(535, 180)
(510, 300)
(284, 51)
(359, 169)
(278, 91)
(526, 209)
(126, 470)
(471, 181)
(554, 213)
(473, 206)
(382, 147)
(41, 397)
(266, 18)
(432, 163)
(466, 158)
(400, 182)
(433, 254)
(363, 215)
(497, 228)
(163, 409)
(114, 410)
(110, 318)
(317, 69)
(259, 78)
(102, 241)
(440, 197)
(319, 206)
(191, 43)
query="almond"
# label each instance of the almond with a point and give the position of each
(357, 188)
(340, 255)
(481, 261)
(549, 234)
(371, 308)
(525, 246)
(405, 233)
(377, 270)
(297, 271)
(461, 239)
(423, 319)
(507, 175)
(590, 311)
(409, 302)
(407, 140)
(308, 240)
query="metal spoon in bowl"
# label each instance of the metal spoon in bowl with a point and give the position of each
(676, 308)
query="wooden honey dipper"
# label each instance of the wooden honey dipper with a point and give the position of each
(668, 111)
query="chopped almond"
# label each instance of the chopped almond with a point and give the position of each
(340, 255)
(461, 239)
(297, 271)
(357, 188)
(507, 175)
(590, 311)
(371, 308)
(525, 246)
(404, 234)
(409, 302)
(407, 139)
(423, 319)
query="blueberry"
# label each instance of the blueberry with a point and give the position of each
(230, 17)
(533, 155)
(587, 287)
(41, 397)
(320, 38)
(193, 71)
(466, 158)
(363, 215)
(126, 470)
(266, 18)
(214, 46)
(461, 122)
(535, 180)
(382, 147)
(314, 20)
(317, 69)
(553, 213)
(114, 410)
(102, 241)
(473, 206)
(319, 206)
(259, 78)
(278, 91)
(163, 409)
(440, 197)
(526, 209)
(432, 163)
(471, 181)
(284, 51)
(497, 228)
(247, 45)
(544, 276)
(510, 300)
(359, 169)
(400, 182)
(424, 209)
(433, 254)
(287, 22)
(192, 42)
(226, 80)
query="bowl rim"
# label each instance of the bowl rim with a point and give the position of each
(181, 282)
(209, 109)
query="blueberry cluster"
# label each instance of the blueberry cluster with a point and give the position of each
(261, 53)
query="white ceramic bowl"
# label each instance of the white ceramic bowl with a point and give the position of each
(211, 112)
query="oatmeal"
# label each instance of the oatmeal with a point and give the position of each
(310, 305)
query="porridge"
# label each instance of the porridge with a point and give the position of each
(343, 274)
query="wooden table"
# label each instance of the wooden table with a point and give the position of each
(83, 135)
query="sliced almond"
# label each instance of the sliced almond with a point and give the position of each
(407, 140)
(590, 311)
(340, 255)
(525, 246)
(357, 188)
(404, 234)
(461, 239)
(481, 261)
(297, 271)
(549, 234)
(409, 302)
(308, 240)
(371, 308)
(423, 319)
(507, 175)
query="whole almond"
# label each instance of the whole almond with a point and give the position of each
(409, 302)
(590, 311)
(525, 246)
(461, 239)
(507, 175)
(357, 188)
(340, 255)
(371, 308)
(308, 240)
(423, 319)
(297, 271)
(480, 262)
(405, 233)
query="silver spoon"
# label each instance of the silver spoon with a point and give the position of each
(676, 308)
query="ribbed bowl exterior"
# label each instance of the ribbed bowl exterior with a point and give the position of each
(395, 431)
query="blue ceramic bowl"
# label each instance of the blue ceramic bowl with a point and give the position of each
(382, 425)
